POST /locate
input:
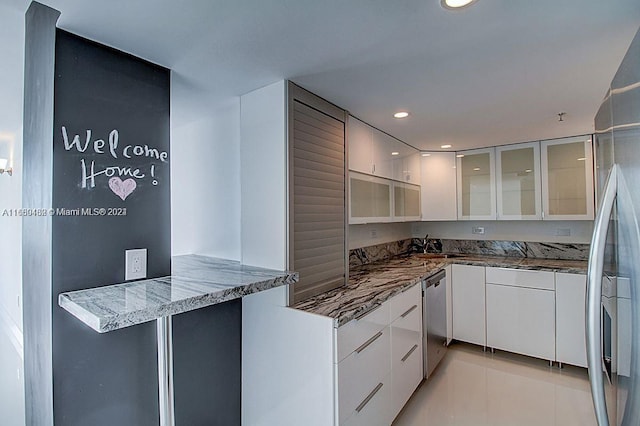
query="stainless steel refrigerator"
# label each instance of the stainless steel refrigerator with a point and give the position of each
(613, 290)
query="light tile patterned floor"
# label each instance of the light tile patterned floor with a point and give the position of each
(475, 388)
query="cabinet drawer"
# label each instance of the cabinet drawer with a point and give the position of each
(360, 372)
(375, 407)
(354, 333)
(543, 280)
(401, 303)
(406, 375)
(405, 333)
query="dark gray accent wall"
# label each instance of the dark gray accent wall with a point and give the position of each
(207, 365)
(118, 107)
(40, 31)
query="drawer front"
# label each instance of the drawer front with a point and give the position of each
(405, 333)
(406, 376)
(375, 407)
(353, 334)
(360, 372)
(543, 280)
(403, 302)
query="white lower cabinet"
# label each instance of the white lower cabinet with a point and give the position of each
(361, 372)
(468, 291)
(379, 361)
(406, 347)
(521, 312)
(375, 409)
(570, 317)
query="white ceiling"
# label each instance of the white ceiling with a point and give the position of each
(495, 73)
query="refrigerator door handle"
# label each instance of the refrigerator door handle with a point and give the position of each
(594, 297)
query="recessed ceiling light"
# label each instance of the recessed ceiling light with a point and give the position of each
(401, 114)
(581, 159)
(445, 146)
(476, 169)
(426, 154)
(456, 4)
(460, 155)
(395, 153)
(528, 171)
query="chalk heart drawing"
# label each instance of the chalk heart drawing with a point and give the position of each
(122, 189)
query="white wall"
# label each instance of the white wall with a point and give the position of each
(263, 164)
(11, 92)
(538, 231)
(377, 233)
(205, 175)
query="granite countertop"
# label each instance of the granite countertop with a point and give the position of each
(196, 282)
(372, 284)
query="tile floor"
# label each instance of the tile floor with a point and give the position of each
(471, 387)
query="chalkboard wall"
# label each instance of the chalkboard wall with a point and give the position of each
(111, 192)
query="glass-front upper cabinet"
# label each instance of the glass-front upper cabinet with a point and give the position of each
(369, 199)
(476, 184)
(567, 178)
(406, 202)
(518, 182)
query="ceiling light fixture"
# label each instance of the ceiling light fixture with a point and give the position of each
(582, 159)
(476, 169)
(426, 154)
(456, 4)
(459, 155)
(395, 153)
(445, 146)
(401, 114)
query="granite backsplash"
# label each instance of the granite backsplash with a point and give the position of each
(379, 252)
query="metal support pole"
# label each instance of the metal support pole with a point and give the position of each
(165, 371)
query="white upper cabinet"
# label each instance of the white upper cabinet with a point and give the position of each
(405, 162)
(359, 137)
(518, 182)
(567, 178)
(381, 148)
(438, 186)
(376, 153)
(476, 184)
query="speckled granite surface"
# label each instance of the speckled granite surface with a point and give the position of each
(196, 282)
(374, 283)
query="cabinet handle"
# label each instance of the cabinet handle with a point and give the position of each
(368, 398)
(409, 311)
(373, 168)
(368, 342)
(368, 311)
(404, 358)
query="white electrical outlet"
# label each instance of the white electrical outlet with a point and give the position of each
(477, 230)
(374, 233)
(135, 264)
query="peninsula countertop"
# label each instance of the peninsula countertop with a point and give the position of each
(196, 282)
(373, 284)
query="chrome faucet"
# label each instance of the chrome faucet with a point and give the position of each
(424, 243)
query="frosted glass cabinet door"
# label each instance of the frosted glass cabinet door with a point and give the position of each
(518, 182)
(476, 185)
(406, 202)
(369, 199)
(567, 178)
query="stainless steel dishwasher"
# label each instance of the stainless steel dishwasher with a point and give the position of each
(434, 314)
